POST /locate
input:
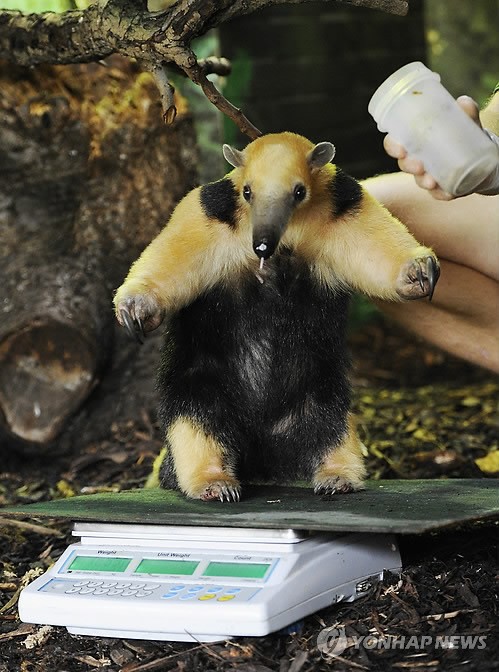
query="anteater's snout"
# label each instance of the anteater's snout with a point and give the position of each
(264, 247)
(269, 221)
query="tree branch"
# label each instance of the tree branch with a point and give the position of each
(196, 74)
(157, 39)
(166, 91)
(70, 37)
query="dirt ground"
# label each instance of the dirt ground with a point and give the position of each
(422, 415)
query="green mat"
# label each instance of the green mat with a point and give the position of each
(397, 506)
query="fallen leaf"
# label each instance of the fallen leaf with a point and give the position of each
(490, 463)
(470, 401)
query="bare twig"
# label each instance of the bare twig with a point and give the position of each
(196, 74)
(166, 91)
(215, 66)
(30, 527)
(156, 664)
(23, 630)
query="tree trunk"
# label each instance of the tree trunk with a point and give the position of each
(89, 174)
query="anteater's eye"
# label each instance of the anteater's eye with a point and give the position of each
(247, 192)
(299, 193)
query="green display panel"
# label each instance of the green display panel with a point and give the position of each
(90, 563)
(184, 567)
(240, 570)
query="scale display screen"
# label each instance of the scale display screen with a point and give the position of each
(91, 563)
(183, 567)
(247, 570)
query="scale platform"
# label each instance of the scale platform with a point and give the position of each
(385, 506)
(201, 584)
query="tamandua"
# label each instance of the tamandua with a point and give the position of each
(254, 273)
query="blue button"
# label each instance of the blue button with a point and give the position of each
(232, 591)
(195, 589)
(179, 586)
(215, 589)
(168, 596)
(187, 596)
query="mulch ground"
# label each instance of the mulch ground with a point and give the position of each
(422, 415)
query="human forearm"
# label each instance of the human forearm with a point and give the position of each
(489, 116)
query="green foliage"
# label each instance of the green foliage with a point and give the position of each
(362, 312)
(463, 45)
(36, 6)
(207, 119)
(236, 88)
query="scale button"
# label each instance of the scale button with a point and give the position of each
(73, 590)
(178, 586)
(56, 585)
(187, 596)
(143, 593)
(224, 598)
(139, 586)
(101, 591)
(108, 584)
(115, 591)
(81, 583)
(94, 584)
(128, 591)
(153, 586)
(195, 589)
(86, 590)
(207, 596)
(123, 585)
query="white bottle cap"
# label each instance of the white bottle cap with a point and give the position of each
(397, 84)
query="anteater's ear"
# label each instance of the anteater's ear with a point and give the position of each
(321, 154)
(233, 156)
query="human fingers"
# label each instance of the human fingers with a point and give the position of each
(393, 148)
(471, 108)
(411, 165)
(428, 182)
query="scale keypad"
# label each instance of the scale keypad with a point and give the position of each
(181, 592)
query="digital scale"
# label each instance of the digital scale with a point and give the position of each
(203, 584)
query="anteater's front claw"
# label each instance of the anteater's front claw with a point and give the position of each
(229, 493)
(135, 328)
(419, 273)
(432, 273)
(418, 276)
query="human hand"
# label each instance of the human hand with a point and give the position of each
(416, 167)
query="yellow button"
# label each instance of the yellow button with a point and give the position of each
(207, 596)
(224, 598)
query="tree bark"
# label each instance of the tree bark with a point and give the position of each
(126, 27)
(88, 175)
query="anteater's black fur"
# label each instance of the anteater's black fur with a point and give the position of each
(243, 357)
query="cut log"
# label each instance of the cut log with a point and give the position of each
(89, 174)
(54, 339)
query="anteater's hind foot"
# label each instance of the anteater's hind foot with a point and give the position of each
(203, 468)
(342, 469)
